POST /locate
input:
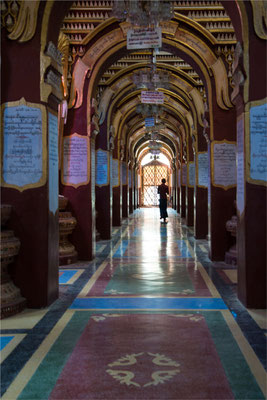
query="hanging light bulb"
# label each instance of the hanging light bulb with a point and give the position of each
(143, 13)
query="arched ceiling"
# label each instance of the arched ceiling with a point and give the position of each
(187, 93)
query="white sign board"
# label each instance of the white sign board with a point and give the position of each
(240, 166)
(224, 161)
(152, 97)
(203, 169)
(149, 122)
(258, 142)
(144, 38)
(75, 160)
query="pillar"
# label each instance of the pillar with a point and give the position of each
(103, 201)
(222, 187)
(79, 186)
(116, 193)
(124, 184)
(201, 189)
(250, 98)
(30, 183)
(190, 184)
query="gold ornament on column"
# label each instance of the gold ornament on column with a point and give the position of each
(67, 223)
(11, 300)
(231, 254)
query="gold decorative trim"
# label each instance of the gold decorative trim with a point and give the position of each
(101, 46)
(42, 181)
(205, 73)
(245, 35)
(221, 82)
(87, 62)
(26, 23)
(199, 105)
(108, 172)
(77, 83)
(173, 44)
(195, 25)
(247, 141)
(197, 45)
(211, 61)
(45, 61)
(97, 30)
(260, 17)
(63, 46)
(76, 185)
(212, 163)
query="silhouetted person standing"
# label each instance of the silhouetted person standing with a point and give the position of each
(163, 191)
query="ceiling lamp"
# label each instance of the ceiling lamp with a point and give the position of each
(151, 79)
(154, 147)
(149, 110)
(143, 13)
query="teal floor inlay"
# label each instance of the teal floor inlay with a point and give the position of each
(149, 303)
(121, 250)
(4, 340)
(183, 249)
(149, 279)
(66, 276)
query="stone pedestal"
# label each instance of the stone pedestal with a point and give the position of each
(11, 300)
(231, 254)
(67, 223)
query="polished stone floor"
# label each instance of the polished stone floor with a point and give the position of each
(150, 318)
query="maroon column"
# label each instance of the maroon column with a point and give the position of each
(130, 188)
(103, 194)
(222, 197)
(116, 194)
(35, 223)
(190, 206)
(251, 179)
(82, 198)
(183, 201)
(179, 190)
(125, 201)
(190, 184)
(201, 189)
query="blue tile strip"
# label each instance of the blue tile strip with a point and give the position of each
(149, 303)
(4, 340)
(66, 276)
(121, 250)
(183, 249)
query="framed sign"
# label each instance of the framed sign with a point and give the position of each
(75, 171)
(256, 125)
(124, 173)
(53, 161)
(149, 97)
(144, 38)
(184, 174)
(223, 156)
(24, 149)
(115, 172)
(240, 166)
(203, 169)
(191, 174)
(130, 178)
(102, 167)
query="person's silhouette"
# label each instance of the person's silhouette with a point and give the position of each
(163, 191)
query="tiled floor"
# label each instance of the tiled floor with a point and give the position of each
(150, 318)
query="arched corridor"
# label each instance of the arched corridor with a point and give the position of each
(101, 100)
(150, 318)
